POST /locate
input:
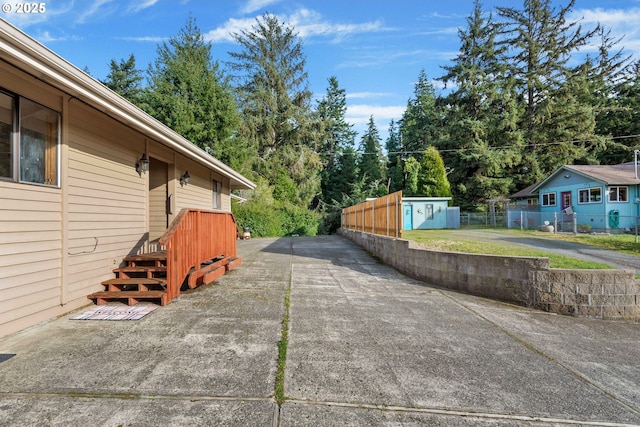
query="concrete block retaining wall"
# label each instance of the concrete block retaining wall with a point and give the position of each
(605, 294)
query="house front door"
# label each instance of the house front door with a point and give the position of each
(567, 211)
(158, 196)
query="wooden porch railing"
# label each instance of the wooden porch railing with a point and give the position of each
(380, 216)
(196, 236)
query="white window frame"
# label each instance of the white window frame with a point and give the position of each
(217, 194)
(616, 190)
(593, 196)
(546, 199)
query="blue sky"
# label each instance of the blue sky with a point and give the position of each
(375, 48)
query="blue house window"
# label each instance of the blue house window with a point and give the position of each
(590, 195)
(618, 194)
(549, 199)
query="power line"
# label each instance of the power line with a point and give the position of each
(450, 150)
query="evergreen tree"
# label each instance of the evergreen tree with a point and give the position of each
(190, 94)
(411, 170)
(337, 136)
(274, 98)
(541, 42)
(420, 123)
(432, 178)
(483, 142)
(394, 159)
(621, 121)
(126, 80)
(611, 79)
(372, 165)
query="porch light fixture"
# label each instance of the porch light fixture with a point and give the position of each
(143, 164)
(184, 179)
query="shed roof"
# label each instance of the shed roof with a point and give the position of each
(525, 193)
(25, 53)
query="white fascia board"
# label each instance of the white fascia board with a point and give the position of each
(24, 52)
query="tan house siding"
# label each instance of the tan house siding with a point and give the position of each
(199, 192)
(30, 254)
(106, 198)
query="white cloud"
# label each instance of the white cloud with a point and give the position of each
(307, 23)
(46, 37)
(621, 22)
(224, 33)
(137, 6)
(153, 39)
(382, 114)
(95, 7)
(367, 95)
(255, 5)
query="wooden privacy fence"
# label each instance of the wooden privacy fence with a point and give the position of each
(196, 236)
(381, 216)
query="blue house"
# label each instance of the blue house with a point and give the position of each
(421, 213)
(603, 198)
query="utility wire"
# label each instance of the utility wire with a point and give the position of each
(450, 150)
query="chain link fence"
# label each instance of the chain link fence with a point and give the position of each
(561, 222)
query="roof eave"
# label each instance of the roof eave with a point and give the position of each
(24, 52)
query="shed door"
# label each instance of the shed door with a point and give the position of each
(407, 219)
(158, 194)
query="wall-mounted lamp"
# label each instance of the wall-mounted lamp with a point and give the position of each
(143, 164)
(184, 179)
(567, 176)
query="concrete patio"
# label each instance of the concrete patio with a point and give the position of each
(366, 346)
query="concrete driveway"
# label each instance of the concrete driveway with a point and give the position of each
(366, 346)
(615, 259)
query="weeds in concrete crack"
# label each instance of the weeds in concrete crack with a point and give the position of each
(282, 351)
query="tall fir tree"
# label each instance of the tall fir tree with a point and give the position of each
(190, 94)
(372, 164)
(542, 40)
(336, 136)
(393, 145)
(621, 121)
(608, 78)
(275, 101)
(482, 140)
(421, 121)
(126, 80)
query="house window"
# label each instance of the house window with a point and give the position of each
(429, 211)
(29, 141)
(590, 195)
(217, 195)
(618, 194)
(549, 199)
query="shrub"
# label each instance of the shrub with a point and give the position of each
(260, 219)
(276, 220)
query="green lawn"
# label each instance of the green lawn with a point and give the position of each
(458, 241)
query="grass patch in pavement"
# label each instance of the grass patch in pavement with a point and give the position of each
(282, 350)
(457, 241)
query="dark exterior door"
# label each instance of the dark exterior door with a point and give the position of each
(158, 193)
